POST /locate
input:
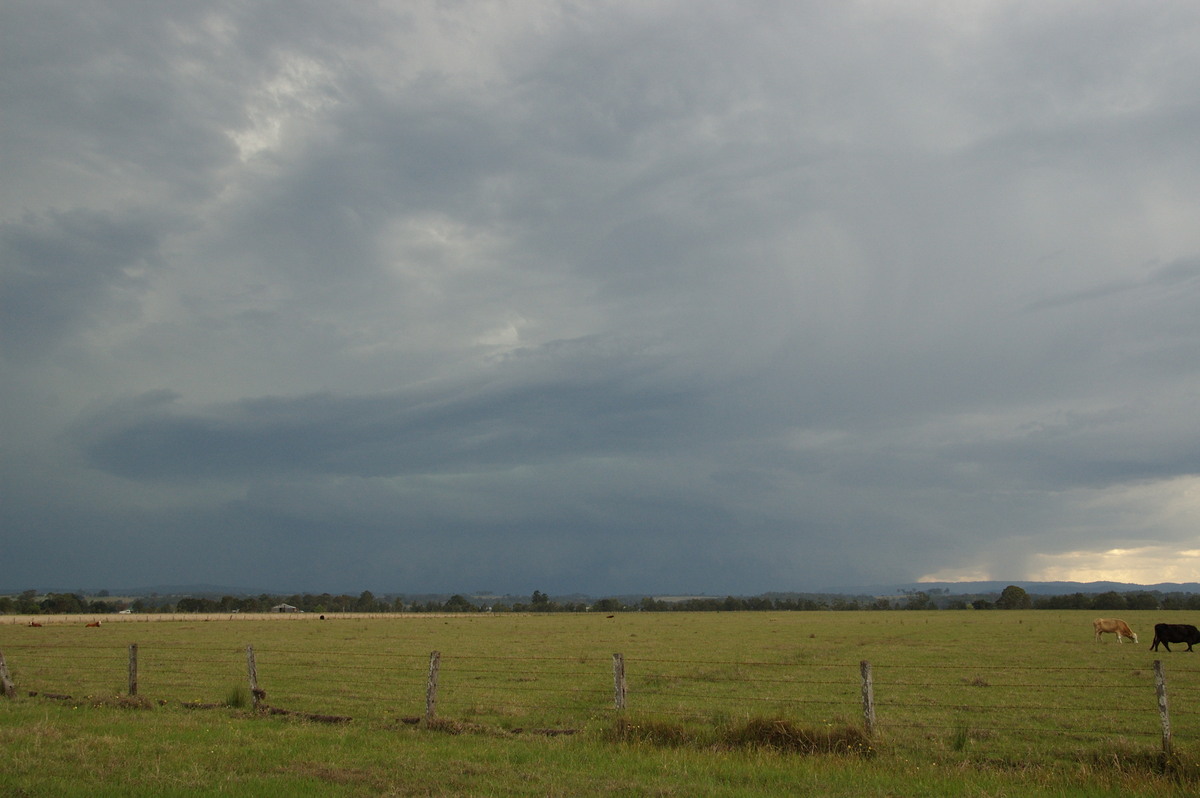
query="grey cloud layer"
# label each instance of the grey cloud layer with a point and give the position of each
(614, 297)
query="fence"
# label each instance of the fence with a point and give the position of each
(1073, 704)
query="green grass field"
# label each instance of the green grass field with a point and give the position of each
(967, 703)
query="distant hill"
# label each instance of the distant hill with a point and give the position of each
(1033, 588)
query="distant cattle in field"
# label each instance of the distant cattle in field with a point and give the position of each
(1113, 626)
(34, 623)
(1174, 633)
(93, 623)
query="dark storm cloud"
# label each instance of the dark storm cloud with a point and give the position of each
(656, 296)
(462, 428)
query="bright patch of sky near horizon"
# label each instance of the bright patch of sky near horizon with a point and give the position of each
(1147, 565)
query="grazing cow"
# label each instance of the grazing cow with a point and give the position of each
(1114, 626)
(94, 623)
(1166, 633)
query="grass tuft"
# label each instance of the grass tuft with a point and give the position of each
(782, 735)
(652, 732)
(1128, 759)
(960, 737)
(237, 697)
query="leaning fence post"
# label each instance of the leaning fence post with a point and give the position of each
(619, 691)
(868, 698)
(6, 683)
(252, 673)
(1160, 687)
(435, 662)
(133, 669)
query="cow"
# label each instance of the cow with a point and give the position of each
(93, 623)
(1114, 626)
(1166, 633)
(34, 623)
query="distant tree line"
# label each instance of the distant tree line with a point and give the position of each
(1011, 598)
(30, 603)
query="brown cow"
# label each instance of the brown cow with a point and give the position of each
(94, 623)
(34, 623)
(1114, 626)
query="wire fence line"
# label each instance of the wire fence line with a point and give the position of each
(572, 691)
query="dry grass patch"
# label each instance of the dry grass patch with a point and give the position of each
(652, 732)
(122, 702)
(773, 734)
(782, 735)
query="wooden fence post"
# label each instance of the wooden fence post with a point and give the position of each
(133, 669)
(252, 673)
(619, 689)
(1160, 687)
(6, 683)
(868, 698)
(435, 663)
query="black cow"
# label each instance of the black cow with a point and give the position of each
(1174, 633)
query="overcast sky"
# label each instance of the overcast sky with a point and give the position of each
(608, 297)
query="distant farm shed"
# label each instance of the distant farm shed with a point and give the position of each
(284, 608)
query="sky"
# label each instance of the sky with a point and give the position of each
(678, 297)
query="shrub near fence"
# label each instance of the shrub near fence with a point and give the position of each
(953, 705)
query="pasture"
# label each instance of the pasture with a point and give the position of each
(967, 703)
